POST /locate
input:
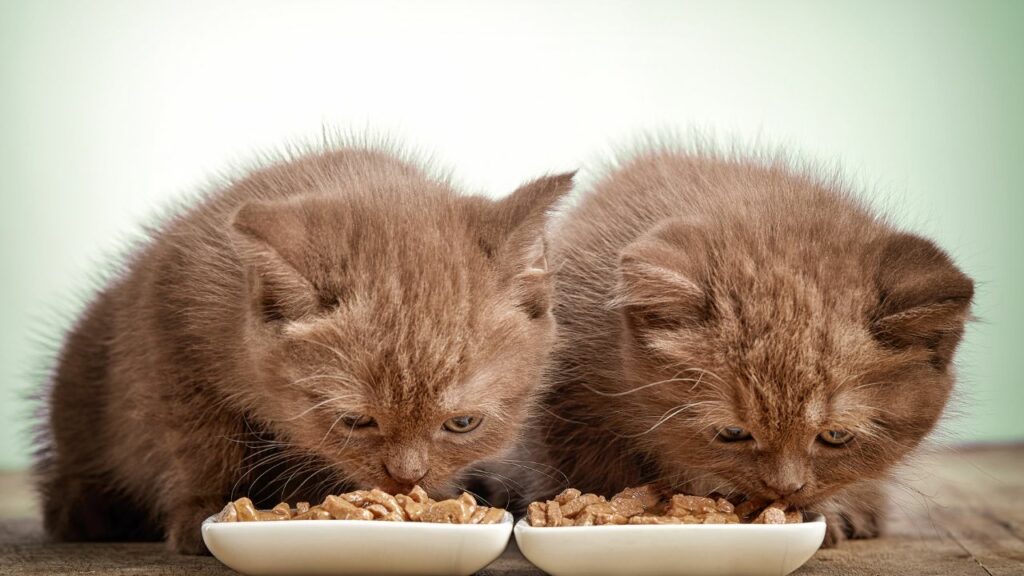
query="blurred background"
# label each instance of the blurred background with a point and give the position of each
(109, 110)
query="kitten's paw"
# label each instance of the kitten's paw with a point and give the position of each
(184, 533)
(834, 533)
(850, 525)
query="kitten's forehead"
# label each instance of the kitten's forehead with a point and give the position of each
(782, 408)
(411, 242)
(459, 393)
(792, 350)
(424, 289)
(478, 390)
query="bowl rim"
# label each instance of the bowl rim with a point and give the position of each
(507, 520)
(810, 520)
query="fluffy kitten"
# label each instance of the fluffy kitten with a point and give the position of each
(341, 320)
(744, 327)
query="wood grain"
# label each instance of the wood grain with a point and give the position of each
(954, 513)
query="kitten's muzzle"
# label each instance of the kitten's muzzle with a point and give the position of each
(405, 475)
(777, 491)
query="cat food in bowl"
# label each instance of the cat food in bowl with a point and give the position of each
(645, 505)
(361, 532)
(640, 532)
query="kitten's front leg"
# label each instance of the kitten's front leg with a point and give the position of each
(855, 513)
(183, 523)
(204, 469)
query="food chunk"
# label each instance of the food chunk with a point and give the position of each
(246, 510)
(449, 512)
(646, 495)
(684, 505)
(228, 514)
(342, 509)
(568, 495)
(493, 515)
(577, 505)
(554, 513)
(770, 515)
(537, 514)
(314, 513)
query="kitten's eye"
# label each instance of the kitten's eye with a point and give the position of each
(733, 434)
(359, 421)
(835, 437)
(462, 424)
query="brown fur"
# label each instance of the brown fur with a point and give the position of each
(695, 292)
(227, 358)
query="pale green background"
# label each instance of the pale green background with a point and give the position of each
(110, 109)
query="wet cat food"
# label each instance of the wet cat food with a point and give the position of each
(374, 504)
(646, 505)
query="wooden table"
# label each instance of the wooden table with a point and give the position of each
(955, 513)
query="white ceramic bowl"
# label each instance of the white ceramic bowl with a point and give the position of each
(355, 546)
(680, 549)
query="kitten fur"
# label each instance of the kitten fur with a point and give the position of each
(244, 340)
(696, 292)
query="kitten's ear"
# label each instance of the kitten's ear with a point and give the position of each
(661, 282)
(513, 236)
(924, 299)
(271, 238)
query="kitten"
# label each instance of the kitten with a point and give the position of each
(743, 327)
(339, 321)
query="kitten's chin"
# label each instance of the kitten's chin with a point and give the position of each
(383, 483)
(392, 487)
(810, 499)
(708, 485)
(799, 499)
(437, 491)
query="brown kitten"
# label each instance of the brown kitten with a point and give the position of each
(743, 327)
(342, 320)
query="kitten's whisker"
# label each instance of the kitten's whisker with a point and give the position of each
(562, 418)
(337, 353)
(461, 486)
(517, 463)
(275, 454)
(253, 468)
(348, 437)
(329, 430)
(335, 377)
(256, 453)
(255, 483)
(315, 406)
(638, 388)
(471, 493)
(327, 486)
(247, 442)
(317, 472)
(668, 415)
(701, 371)
(303, 465)
(496, 476)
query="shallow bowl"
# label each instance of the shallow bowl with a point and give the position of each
(679, 549)
(334, 547)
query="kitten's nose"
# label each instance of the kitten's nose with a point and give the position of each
(406, 475)
(784, 488)
(785, 474)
